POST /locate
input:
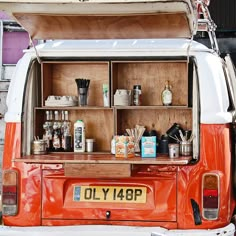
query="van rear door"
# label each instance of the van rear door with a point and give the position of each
(104, 19)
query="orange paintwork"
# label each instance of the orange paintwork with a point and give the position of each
(46, 195)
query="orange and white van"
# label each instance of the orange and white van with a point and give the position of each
(120, 44)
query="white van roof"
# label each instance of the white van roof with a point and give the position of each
(100, 19)
(119, 48)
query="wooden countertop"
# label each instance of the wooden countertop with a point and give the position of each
(101, 158)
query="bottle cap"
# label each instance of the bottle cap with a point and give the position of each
(137, 86)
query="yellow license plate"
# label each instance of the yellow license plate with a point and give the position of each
(117, 194)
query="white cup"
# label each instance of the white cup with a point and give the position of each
(89, 145)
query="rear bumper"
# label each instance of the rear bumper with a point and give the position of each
(104, 230)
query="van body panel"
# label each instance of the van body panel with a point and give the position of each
(213, 90)
(63, 205)
(169, 194)
(105, 19)
(12, 146)
(57, 192)
(15, 98)
(214, 158)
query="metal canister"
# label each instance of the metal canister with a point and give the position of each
(137, 95)
(173, 150)
(39, 146)
(185, 148)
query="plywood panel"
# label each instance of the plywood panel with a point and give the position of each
(152, 76)
(99, 125)
(42, 26)
(46, 81)
(62, 79)
(97, 170)
(160, 120)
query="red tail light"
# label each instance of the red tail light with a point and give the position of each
(210, 196)
(9, 193)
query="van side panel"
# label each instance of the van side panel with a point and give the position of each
(12, 145)
(29, 196)
(214, 145)
(29, 180)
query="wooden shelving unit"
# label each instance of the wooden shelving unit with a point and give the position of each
(58, 79)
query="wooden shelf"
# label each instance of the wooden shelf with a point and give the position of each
(151, 107)
(73, 108)
(113, 107)
(101, 159)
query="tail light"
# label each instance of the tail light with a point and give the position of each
(210, 196)
(9, 193)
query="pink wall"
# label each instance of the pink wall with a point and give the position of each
(3, 16)
(13, 44)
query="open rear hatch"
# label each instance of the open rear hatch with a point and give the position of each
(105, 19)
(67, 196)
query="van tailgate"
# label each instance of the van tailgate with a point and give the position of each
(140, 197)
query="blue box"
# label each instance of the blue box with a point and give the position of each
(148, 146)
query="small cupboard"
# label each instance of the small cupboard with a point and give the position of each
(102, 122)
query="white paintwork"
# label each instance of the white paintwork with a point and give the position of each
(213, 91)
(16, 89)
(106, 230)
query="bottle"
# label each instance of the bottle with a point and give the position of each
(79, 136)
(166, 95)
(56, 132)
(66, 140)
(137, 95)
(62, 130)
(113, 145)
(48, 131)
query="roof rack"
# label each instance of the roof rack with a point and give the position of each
(206, 24)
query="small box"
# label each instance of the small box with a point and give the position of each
(122, 97)
(148, 145)
(124, 146)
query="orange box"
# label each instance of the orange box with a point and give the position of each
(124, 146)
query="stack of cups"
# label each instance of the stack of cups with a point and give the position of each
(90, 145)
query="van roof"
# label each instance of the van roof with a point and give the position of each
(128, 47)
(99, 19)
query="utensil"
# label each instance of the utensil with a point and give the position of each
(82, 87)
(137, 133)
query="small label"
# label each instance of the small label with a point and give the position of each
(167, 97)
(78, 138)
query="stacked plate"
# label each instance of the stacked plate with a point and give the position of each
(61, 101)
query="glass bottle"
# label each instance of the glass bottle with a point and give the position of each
(56, 132)
(48, 130)
(66, 132)
(166, 95)
(113, 145)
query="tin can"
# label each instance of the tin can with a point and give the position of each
(173, 150)
(39, 146)
(185, 148)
